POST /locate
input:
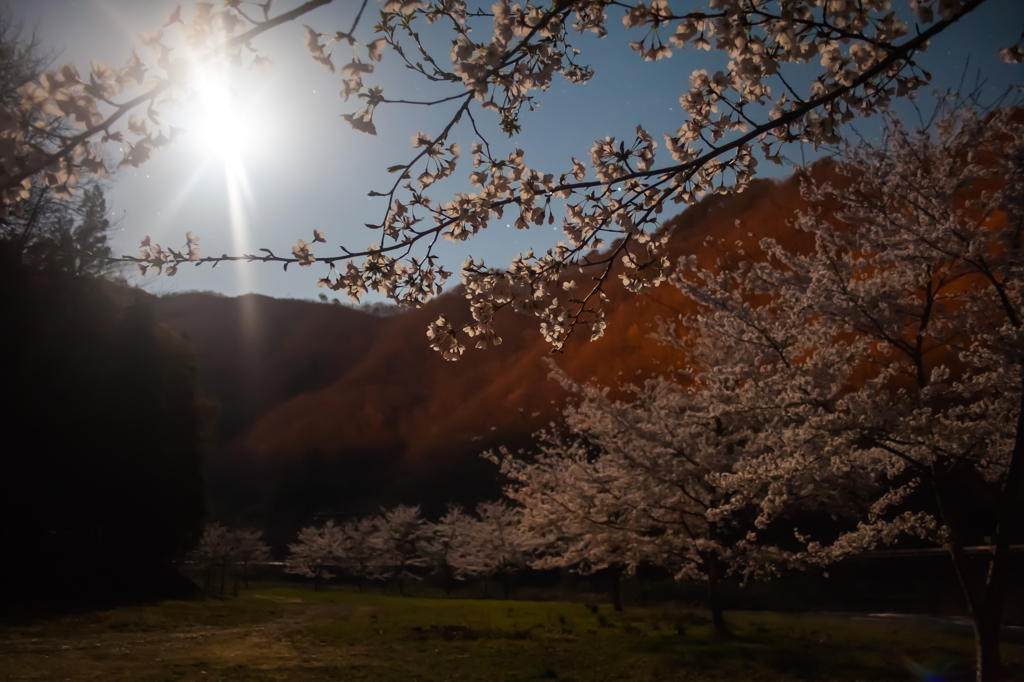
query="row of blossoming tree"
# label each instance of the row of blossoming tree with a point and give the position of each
(399, 545)
(856, 386)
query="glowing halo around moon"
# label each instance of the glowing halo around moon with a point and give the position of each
(224, 130)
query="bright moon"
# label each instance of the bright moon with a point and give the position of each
(221, 125)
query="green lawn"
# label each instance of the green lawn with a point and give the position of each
(285, 633)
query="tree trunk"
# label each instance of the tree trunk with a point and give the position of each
(223, 571)
(714, 599)
(506, 581)
(617, 588)
(485, 588)
(988, 616)
(986, 646)
(985, 664)
(988, 622)
(401, 586)
(986, 601)
(316, 581)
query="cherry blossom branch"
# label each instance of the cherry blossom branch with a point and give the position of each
(429, 104)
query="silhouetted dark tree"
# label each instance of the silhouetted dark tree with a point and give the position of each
(104, 429)
(58, 226)
(65, 233)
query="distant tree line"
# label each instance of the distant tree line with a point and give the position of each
(399, 545)
(376, 308)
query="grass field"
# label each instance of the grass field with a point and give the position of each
(294, 634)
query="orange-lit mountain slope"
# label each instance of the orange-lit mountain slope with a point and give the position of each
(297, 379)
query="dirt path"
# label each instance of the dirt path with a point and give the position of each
(268, 650)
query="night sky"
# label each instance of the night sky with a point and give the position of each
(298, 167)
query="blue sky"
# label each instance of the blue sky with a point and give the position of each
(306, 169)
